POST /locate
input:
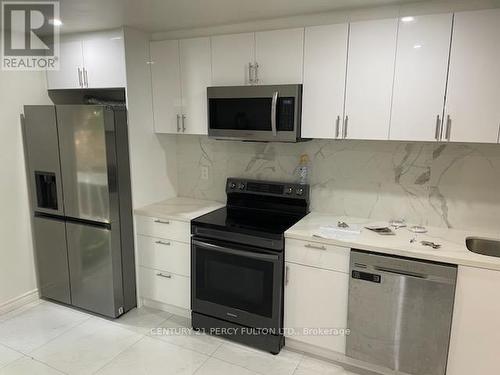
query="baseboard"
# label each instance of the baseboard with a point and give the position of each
(17, 302)
(167, 308)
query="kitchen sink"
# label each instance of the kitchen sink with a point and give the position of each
(483, 246)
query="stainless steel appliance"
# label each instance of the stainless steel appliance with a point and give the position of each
(400, 312)
(255, 113)
(79, 180)
(237, 261)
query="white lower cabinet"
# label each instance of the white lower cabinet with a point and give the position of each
(165, 287)
(316, 297)
(164, 261)
(475, 332)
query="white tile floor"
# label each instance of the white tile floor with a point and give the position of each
(47, 339)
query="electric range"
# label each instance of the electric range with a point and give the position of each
(237, 262)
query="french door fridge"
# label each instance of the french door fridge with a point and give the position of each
(78, 168)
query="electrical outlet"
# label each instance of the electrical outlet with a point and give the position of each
(204, 172)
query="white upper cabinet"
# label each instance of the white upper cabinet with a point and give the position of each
(92, 60)
(279, 55)
(233, 57)
(370, 73)
(104, 60)
(70, 73)
(196, 76)
(166, 86)
(420, 77)
(473, 98)
(325, 58)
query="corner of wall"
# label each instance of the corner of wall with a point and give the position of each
(152, 162)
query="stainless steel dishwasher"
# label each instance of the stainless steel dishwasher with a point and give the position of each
(400, 312)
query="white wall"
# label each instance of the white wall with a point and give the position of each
(17, 273)
(152, 157)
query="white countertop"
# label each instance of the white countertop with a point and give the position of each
(182, 209)
(453, 249)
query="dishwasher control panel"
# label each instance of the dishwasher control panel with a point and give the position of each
(374, 278)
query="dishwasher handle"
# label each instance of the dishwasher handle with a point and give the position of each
(415, 275)
(400, 272)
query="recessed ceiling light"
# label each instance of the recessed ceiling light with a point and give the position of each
(56, 22)
(408, 19)
(417, 46)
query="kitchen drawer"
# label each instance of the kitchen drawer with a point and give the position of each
(165, 287)
(161, 228)
(165, 255)
(317, 254)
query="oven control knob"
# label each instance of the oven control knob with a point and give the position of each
(241, 186)
(299, 191)
(288, 190)
(232, 185)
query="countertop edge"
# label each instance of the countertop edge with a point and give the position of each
(397, 252)
(154, 210)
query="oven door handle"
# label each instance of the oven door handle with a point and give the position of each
(274, 104)
(227, 250)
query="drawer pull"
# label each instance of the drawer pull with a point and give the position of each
(162, 221)
(164, 275)
(163, 243)
(317, 247)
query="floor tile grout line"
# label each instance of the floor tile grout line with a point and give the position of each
(249, 369)
(13, 349)
(181, 346)
(49, 365)
(25, 356)
(202, 364)
(57, 336)
(121, 352)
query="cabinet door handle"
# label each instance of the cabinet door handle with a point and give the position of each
(448, 128)
(317, 247)
(438, 128)
(256, 73)
(85, 78)
(337, 127)
(159, 274)
(183, 123)
(344, 131)
(80, 77)
(178, 123)
(162, 221)
(162, 243)
(287, 272)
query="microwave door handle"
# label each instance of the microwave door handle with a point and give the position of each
(227, 250)
(273, 113)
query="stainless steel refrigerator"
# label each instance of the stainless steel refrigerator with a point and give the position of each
(79, 178)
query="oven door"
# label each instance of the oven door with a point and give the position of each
(237, 283)
(255, 113)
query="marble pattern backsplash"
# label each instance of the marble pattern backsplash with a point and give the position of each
(452, 185)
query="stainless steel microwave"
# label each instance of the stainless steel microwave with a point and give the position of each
(268, 113)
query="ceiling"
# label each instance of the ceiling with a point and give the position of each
(166, 15)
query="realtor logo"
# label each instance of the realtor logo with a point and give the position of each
(30, 40)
